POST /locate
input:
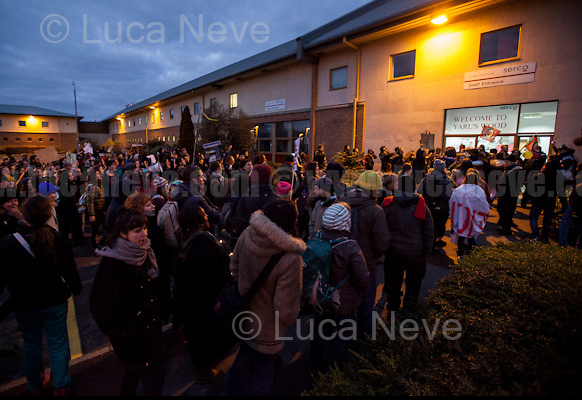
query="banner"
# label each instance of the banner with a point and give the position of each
(296, 154)
(490, 133)
(534, 147)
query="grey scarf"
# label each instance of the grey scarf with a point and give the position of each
(132, 254)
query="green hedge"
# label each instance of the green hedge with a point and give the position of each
(520, 308)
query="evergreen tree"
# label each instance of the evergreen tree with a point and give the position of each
(186, 140)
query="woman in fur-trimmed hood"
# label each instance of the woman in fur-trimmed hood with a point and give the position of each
(278, 301)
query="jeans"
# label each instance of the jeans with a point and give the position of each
(252, 369)
(53, 321)
(565, 223)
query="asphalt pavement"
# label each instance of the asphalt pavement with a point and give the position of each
(97, 372)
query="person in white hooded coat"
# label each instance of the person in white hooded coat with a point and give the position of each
(469, 210)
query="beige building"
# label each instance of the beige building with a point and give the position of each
(389, 71)
(26, 126)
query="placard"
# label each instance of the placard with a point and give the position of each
(48, 155)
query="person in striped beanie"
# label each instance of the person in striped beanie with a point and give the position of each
(348, 271)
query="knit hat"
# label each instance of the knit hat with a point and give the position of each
(440, 165)
(325, 184)
(46, 189)
(283, 188)
(369, 180)
(261, 174)
(159, 182)
(337, 218)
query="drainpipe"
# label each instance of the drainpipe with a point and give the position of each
(357, 97)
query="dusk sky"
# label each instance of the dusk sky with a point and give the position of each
(119, 52)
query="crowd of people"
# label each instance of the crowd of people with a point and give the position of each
(172, 233)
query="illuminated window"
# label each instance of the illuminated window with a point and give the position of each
(153, 118)
(21, 123)
(338, 78)
(139, 121)
(234, 100)
(402, 65)
(501, 45)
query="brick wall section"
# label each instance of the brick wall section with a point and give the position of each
(335, 129)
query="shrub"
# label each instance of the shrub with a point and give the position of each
(520, 307)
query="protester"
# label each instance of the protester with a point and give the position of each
(10, 215)
(348, 273)
(203, 271)
(469, 209)
(276, 304)
(436, 189)
(370, 230)
(508, 191)
(127, 300)
(324, 196)
(39, 270)
(411, 230)
(95, 204)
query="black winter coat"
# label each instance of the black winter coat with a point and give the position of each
(127, 306)
(32, 286)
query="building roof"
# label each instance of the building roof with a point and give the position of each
(372, 14)
(30, 110)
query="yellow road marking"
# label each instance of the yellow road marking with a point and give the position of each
(73, 329)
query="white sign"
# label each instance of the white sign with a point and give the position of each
(471, 121)
(509, 75)
(275, 105)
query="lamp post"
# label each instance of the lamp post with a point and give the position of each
(76, 118)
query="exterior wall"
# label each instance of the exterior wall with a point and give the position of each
(399, 111)
(277, 85)
(328, 97)
(61, 132)
(335, 128)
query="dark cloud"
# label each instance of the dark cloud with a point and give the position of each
(119, 52)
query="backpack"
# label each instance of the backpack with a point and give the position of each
(168, 216)
(316, 270)
(228, 211)
(241, 220)
(82, 203)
